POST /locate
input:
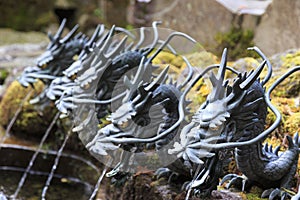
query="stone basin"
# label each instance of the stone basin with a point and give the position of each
(75, 176)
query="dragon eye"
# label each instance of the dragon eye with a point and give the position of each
(86, 86)
(124, 124)
(73, 77)
(75, 57)
(214, 127)
(44, 66)
(141, 121)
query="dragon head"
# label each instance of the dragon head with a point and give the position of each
(139, 113)
(227, 102)
(61, 52)
(77, 66)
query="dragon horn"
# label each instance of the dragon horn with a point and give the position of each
(138, 77)
(70, 34)
(141, 104)
(163, 45)
(60, 30)
(190, 75)
(142, 91)
(117, 48)
(222, 69)
(137, 81)
(217, 82)
(98, 31)
(108, 40)
(50, 36)
(252, 77)
(160, 79)
(141, 40)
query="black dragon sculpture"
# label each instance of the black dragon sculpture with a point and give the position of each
(106, 76)
(59, 55)
(234, 116)
(146, 113)
(106, 67)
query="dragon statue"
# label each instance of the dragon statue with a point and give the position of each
(234, 116)
(59, 55)
(148, 113)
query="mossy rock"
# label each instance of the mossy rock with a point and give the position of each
(165, 57)
(3, 75)
(202, 59)
(291, 59)
(31, 121)
(292, 124)
(9, 36)
(288, 88)
(285, 97)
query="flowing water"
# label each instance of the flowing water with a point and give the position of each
(13, 120)
(26, 171)
(22, 180)
(54, 166)
(27, 176)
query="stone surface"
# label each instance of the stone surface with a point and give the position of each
(275, 31)
(279, 27)
(203, 19)
(200, 19)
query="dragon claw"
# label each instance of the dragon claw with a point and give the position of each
(236, 180)
(274, 194)
(166, 173)
(162, 172)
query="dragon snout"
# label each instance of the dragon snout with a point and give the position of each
(29, 76)
(110, 129)
(44, 59)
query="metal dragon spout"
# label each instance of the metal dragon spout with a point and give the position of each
(59, 55)
(234, 116)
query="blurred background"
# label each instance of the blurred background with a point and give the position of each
(273, 25)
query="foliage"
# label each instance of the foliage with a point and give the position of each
(237, 41)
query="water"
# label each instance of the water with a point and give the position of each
(61, 188)
(54, 166)
(23, 179)
(75, 177)
(27, 181)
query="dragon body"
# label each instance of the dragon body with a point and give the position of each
(236, 114)
(259, 164)
(148, 113)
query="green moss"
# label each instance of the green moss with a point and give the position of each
(3, 75)
(201, 59)
(292, 124)
(31, 122)
(237, 40)
(165, 57)
(291, 59)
